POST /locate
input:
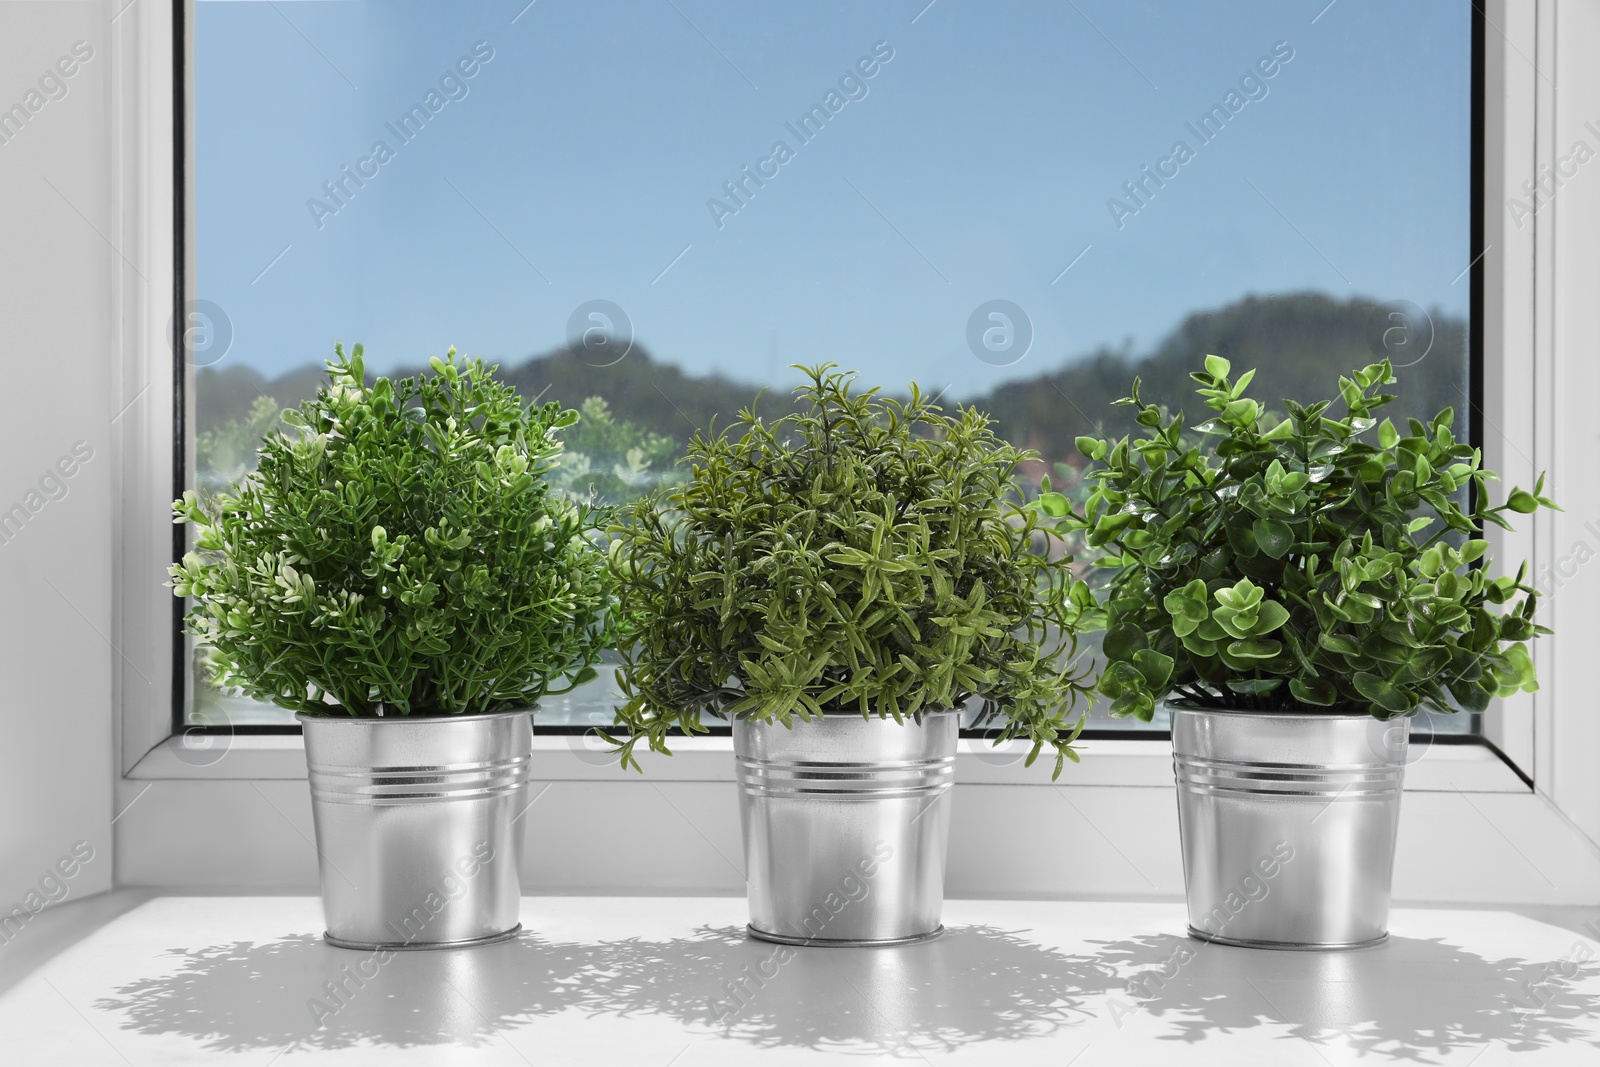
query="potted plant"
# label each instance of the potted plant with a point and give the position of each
(1295, 587)
(840, 584)
(398, 571)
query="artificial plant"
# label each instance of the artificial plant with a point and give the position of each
(399, 551)
(863, 554)
(1309, 562)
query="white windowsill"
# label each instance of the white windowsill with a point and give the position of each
(1147, 764)
(636, 979)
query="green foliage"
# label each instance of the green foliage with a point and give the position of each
(1285, 567)
(398, 550)
(610, 459)
(862, 554)
(225, 454)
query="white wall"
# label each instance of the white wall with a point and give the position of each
(1569, 320)
(58, 273)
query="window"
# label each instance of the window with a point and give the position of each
(648, 210)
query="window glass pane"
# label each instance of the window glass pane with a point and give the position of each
(648, 210)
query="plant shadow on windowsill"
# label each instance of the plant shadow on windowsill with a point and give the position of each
(1406, 1000)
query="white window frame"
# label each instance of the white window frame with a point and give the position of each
(1535, 733)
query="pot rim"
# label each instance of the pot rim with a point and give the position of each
(847, 713)
(412, 720)
(1282, 713)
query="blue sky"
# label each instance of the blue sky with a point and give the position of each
(977, 166)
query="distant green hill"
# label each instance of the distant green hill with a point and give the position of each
(657, 396)
(1299, 342)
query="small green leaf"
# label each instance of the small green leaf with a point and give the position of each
(1281, 432)
(1317, 692)
(1187, 606)
(1522, 502)
(1255, 648)
(1122, 641)
(1272, 615)
(1340, 643)
(1382, 692)
(1055, 505)
(1243, 594)
(1155, 667)
(1273, 537)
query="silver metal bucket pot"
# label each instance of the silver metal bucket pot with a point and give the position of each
(416, 842)
(1288, 823)
(846, 822)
